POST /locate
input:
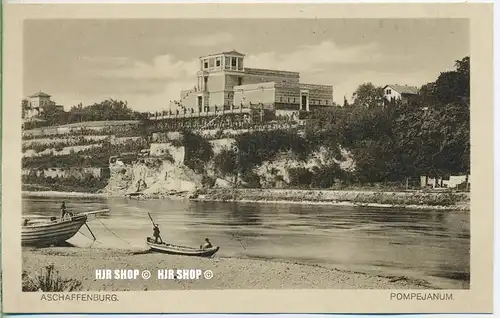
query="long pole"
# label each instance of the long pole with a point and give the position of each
(151, 219)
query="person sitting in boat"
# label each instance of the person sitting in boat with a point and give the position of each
(206, 245)
(156, 234)
(65, 212)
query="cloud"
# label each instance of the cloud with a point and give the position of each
(211, 39)
(143, 101)
(104, 62)
(161, 67)
(314, 58)
(145, 86)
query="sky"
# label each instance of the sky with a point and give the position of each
(148, 62)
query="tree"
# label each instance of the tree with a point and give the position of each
(24, 107)
(53, 116)
(346, 103)
(454, 86)
(368, 95)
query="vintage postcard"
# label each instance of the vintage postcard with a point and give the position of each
(267, 158)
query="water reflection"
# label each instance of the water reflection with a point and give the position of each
(421, 244)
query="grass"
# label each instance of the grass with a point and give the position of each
(49, 280)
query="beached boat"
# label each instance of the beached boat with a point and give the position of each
(43, 230)
(180, 250)
(51, 232)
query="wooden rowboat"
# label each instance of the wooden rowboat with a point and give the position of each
(181, 250)
(51, 232)
(46, 230)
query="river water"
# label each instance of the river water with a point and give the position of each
(429, 245)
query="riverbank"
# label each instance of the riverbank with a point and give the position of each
(387, 199)
(399, 199)
(64, 194)
(228, 273)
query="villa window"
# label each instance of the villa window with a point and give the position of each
(217, 62)
(233, 62)
(205, 64)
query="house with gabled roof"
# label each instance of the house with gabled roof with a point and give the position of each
(36, 104)
(400, 92)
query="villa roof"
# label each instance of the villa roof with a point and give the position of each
(40, 94)
(404, 89)
(233, 52)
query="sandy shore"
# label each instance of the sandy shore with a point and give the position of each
(228, 273)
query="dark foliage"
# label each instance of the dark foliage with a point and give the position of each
(109, 109)
(389, 141)
(198, 151)
(86, 183)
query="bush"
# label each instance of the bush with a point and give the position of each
(198, 151)
(259, 146)
(87, 183)
(225, 162)
(207, 181)
(49, 280)
(326, 176)
(251, 178)
(300, 177)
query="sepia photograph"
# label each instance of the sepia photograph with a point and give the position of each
(226, 153)
(335, 155)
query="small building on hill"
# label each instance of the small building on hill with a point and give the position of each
(400, 92)
(36, 104)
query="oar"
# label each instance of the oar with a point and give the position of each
(88, 227)
(96, 212)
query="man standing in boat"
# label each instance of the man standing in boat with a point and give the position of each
(156, 233)
(63, 210)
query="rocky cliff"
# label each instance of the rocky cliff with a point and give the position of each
(162, 173)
